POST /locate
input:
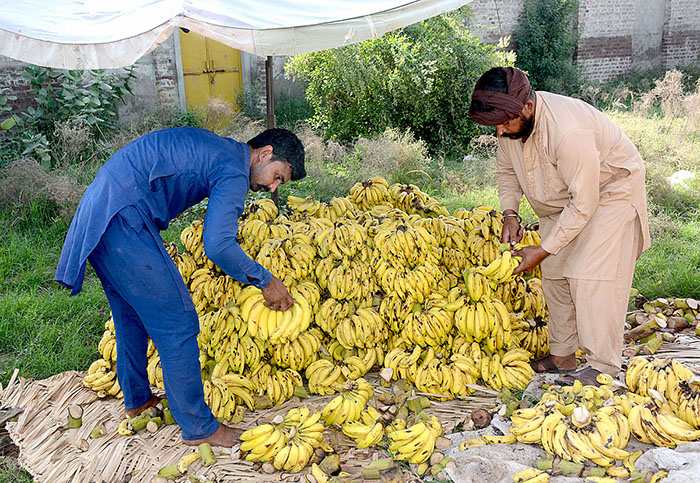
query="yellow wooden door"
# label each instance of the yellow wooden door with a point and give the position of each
(210, 69)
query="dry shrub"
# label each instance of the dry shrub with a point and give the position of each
(393, 153)
(218, 113)
(667, 94)
(484, 145)
(242, 128)
(73, 137)
(24, 182)
(691, 104)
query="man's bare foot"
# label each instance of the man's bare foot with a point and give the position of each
(132, 413)
(224, 436)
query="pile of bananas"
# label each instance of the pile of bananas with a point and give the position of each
(382, 278)
(288, 442)
(654, 423)
(416, 443)
(674, 383)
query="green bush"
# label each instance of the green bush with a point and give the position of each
(85, 100)
(418, 78)
(546, 45)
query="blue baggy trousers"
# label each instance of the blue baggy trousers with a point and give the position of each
(148, 298)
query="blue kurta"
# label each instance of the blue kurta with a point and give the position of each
(162, 174)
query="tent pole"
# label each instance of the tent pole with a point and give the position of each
(271, 120)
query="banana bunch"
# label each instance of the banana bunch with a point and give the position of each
(533, 337)
(305, 435)
(349, 404)
(325, 377)
(433, 209)
(408, 197)
(407, 245)
(478, 285)
(416, 443)
(346, 279)
(653, 423)
(306, 205)
(599, 437)
(506, 369)
(340, 208)
(241, 388)
(427, 328)
(280, 385)
(482, 251)
(367, 194)
(220, 400)
(403, 363)
(309, 291)
(219, 325)
(364, 328)
(661, 375)
(331, 312)
(191, 238)
(687, 404)
(273, 325)
(298, 353)
(455, 261)
(107, 346)
(186, 265)
(436, 377)
(344, 239)
(501, 269)
(253, 232)
(487, 321)
(367, 431)
(415, 283)
(263, 209)
(288, 442)
(394, 309)
(101, 377)
(154, 370)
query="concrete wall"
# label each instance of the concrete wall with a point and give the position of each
(615, 36)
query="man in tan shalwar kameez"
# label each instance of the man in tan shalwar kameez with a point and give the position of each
(585, 180)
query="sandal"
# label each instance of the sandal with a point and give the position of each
(586, 375)
(546, 364)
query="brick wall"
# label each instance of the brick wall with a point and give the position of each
(681, 42)
(615, 36)
(11, 79)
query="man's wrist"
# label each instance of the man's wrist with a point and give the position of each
(511, 214)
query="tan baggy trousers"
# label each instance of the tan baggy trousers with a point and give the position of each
(590, 314)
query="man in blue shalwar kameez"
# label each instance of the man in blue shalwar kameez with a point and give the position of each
(135, 194)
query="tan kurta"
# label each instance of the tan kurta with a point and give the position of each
(584, 178)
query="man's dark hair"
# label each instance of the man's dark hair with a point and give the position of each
(492, 80)
(286, 146)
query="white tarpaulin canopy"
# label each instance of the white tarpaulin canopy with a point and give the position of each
(98, 34)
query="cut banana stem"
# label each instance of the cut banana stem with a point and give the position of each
(75, 416)
(207, 453)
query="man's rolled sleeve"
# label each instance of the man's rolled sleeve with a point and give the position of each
(578, 164)
(509, 191)
(226, 202)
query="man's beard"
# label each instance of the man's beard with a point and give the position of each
(525, 130)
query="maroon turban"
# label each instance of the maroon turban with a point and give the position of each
(505, 106)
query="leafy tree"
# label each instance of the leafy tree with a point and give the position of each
(418, 78)
(545, 43)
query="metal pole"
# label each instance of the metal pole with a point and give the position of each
(271, 120)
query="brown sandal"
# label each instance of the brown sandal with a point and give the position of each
(586, 375)
(546, 364)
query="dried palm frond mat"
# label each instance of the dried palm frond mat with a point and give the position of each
(51, 454)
